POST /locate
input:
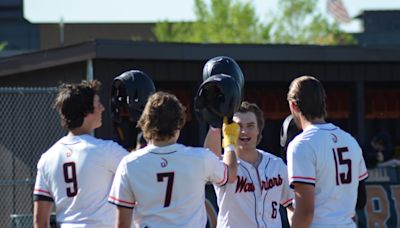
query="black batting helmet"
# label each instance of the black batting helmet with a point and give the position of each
(217, 96)
(129, 94)
(131, 90)
(289, 130)
(224, 65)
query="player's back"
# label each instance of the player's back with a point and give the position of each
(338, 166)
(168, 184)
(78, 173)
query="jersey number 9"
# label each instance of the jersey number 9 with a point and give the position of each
(69, 169)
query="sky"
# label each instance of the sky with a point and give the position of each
(130, 11)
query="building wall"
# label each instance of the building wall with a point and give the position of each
(51, 34)
(381, 28)
(49, 77)
(14, 29)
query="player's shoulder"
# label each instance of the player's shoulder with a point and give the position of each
(199, 153)
(314, 134)
(340, 135)
(137, 154)
(105, 145)
(347, 135)
(53, 150)
(150, 150)
(51, 154)
(191, 149)
(197, 150)
(271, 156)
(300, 140)
(135, 157)
(98, 141)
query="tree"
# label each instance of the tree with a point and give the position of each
(3, 45)
(300, 22)
(234, 21)
(224, 21)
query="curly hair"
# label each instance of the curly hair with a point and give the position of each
(74, 101)
(162, 116)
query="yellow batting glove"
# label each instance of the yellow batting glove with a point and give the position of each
(230, 132)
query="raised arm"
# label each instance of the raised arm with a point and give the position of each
(230, 134)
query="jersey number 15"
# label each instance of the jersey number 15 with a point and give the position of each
(345, 178)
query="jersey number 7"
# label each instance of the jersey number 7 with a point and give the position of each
(170, 183)
(345, 178)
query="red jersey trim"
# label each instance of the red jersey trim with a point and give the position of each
(287, 201)
(121, 201)
(363, 176)
(304, 178)
(43, 191)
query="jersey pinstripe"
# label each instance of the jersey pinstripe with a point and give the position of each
(166, 185)
(77, 173)
(254, 199)
(330, 159)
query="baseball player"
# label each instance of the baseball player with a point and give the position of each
(261, 185)
(325, 163)
(76, 173)
(164, 182)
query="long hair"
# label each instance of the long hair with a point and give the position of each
(309, 95)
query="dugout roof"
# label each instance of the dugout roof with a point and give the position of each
(129, 50)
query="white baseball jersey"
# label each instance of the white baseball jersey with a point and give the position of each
(76, 173)
(166, 185)
(329, 158)
(254, 199)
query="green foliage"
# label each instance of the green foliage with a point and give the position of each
(235, 21)
(174, 32)
(299, 22)
(3, 45)
(224, 21)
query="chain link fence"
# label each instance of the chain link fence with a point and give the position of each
(28, 127)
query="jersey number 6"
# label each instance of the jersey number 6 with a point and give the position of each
(170, 183)
(70, 178)
(345, 178)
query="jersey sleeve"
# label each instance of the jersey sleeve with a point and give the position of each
(287, 195)
(301, 163)
(217, 171)
(41, 190)
(363, 173)
(121, 194)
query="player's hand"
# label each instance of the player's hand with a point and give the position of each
(230, 132)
